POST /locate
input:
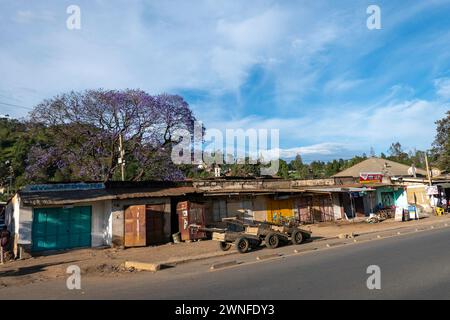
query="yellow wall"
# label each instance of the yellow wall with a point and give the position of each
(285, 208)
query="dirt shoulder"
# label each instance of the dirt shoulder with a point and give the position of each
(109, 261)
(333, 229)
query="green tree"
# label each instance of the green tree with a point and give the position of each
(301, 169)
(397, 154)
(283, 170)
(441, 145)
(16, 139)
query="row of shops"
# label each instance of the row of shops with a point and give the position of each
(63, 216)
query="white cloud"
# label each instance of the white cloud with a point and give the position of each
(354, 129)
(342, 84)
(443, 87)
(317, 150)
(211, 46)
(30, 16)
(165, 46)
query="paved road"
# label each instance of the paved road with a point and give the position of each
(413, 266)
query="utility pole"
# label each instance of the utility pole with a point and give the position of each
(10, 177)
(428, 169)
(121, 157)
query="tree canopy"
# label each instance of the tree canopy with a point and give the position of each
(83, 131)
(441, 144)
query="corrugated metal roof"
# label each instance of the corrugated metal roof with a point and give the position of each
(339, 189)
(250, 191)
(79, 196)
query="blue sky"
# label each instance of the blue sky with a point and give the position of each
(312, 69)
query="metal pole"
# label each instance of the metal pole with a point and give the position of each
(10, 186)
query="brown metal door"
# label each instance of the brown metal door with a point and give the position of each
(328, 208)
(197, 217)
(135, 233)
(183, 222)
(155, 224)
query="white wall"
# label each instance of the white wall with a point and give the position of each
(402, 200)
(25, 224)
(101, 223)
(336, 206)
(19, 220)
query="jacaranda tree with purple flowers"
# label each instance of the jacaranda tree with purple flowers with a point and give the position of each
(83, 130)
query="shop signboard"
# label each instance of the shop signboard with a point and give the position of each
(432, 190)
(370, 177)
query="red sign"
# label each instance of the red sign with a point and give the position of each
(367, 177)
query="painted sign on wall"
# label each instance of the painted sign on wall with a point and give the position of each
(63, 187)
(370, 177)
(432, 190)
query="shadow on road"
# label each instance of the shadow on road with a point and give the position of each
(29, 270)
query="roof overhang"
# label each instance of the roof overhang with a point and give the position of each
(45, 198)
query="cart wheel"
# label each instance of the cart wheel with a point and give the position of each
(242, 245)
(224, 246)
(254, 244)
(297, 237)
(272, 240)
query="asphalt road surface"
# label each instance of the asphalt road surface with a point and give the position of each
(413, 266)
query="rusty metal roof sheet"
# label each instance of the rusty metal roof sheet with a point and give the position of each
(80, 196)
(223, 192)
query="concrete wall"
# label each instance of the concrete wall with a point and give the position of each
(226, 206)
(260, 208)
(249, 207)
(118, 217)
(258, 184)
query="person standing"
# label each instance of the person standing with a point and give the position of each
(4, 241)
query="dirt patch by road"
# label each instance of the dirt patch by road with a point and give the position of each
(104, 261)
(333, 229)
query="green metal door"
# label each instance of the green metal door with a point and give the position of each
(61, 228)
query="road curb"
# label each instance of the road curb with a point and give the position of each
(185, 260)
(223, 265)
(269, 256)
(153, 267)
(305, 250)
(337, 244)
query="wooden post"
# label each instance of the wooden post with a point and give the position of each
(428, 169)
(1, 254)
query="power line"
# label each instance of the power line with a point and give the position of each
(15, 105)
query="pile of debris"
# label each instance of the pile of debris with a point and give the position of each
(377, 217)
